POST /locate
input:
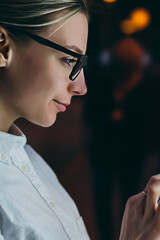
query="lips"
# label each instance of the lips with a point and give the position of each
(62, 106)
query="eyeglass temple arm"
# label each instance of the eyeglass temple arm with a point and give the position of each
(51, 44)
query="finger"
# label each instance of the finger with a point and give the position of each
(152, 180)
(158, 212)
(136, 205)
(143, 201)
(153, 194)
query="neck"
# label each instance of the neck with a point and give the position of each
(6, 117)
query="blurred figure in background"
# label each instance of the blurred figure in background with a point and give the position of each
(126, 131)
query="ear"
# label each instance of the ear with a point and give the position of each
(5, 48)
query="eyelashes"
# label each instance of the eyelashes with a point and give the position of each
(69, 61)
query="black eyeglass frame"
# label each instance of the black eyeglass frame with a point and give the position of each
(81, 59)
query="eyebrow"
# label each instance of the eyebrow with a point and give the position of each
(74, 47)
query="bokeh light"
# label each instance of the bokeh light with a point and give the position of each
(127, 26)
(105, 57)
(141, 18)
(109, 1)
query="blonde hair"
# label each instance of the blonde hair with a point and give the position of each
(35, 15)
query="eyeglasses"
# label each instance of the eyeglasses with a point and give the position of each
(81, 59)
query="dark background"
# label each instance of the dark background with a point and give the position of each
(107, 145)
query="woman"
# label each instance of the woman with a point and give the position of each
(42, 55)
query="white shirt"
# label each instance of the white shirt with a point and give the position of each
(33, 204)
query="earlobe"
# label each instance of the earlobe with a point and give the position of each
(4, 48)
(3, 61)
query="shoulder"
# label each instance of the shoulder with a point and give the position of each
(39, 163)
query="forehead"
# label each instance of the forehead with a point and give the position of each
(73, 32)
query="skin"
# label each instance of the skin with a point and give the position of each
(33, 78)
(141, 220)
(36, 76)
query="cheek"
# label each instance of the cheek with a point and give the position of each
(31, 86)
(39, 73)
(30, 78)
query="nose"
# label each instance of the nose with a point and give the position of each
(78, 86)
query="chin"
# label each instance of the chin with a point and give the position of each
(47, 122)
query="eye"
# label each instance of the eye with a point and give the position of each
(70, 61)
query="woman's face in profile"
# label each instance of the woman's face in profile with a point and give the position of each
(37, 77)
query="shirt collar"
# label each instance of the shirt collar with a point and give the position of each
(9, 141)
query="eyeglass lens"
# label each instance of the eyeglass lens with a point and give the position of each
(78, 67)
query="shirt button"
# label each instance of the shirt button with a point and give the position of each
(52, 204)
(25, 168)
(4, 156)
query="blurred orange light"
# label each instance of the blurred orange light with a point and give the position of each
(127, 27)
(141, 18)
(109, 1)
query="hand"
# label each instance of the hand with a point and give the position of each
(141, 220)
